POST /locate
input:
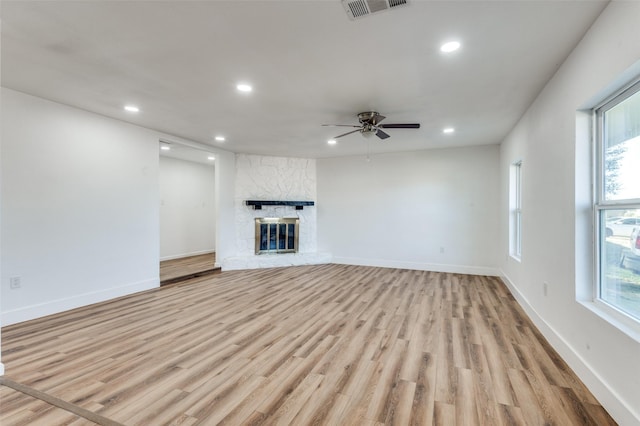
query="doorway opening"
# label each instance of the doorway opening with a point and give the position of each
(187, 212)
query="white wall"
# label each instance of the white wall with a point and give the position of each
(433, 210)
(187, 208)
(553, 142)
(225, 207)
(80, 207)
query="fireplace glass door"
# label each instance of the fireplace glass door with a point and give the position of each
(277, 235)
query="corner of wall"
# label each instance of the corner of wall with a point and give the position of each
(596, 384)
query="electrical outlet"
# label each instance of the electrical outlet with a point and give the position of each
(545, 288)
(15, 282)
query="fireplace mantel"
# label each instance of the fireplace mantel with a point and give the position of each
(299, 205)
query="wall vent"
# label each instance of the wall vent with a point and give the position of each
(358, 8)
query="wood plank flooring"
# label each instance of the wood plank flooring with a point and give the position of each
(176, 270)
(321, 345)
(20, 409)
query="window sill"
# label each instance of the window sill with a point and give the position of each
(621, 321)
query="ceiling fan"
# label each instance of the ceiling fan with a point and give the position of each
(370, 125)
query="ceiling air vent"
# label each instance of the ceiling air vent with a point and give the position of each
(359, 8)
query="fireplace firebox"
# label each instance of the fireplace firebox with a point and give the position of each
(277, 234)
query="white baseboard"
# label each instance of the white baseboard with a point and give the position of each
(436, 267)
(621, 413)
(27, 313)
(180, 256)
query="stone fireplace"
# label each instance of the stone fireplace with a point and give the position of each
(275, 187)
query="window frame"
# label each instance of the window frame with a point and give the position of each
(600, 204)
(515, 210)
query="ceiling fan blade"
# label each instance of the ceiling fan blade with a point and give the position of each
(381, 134)
(345, 134)
(340, 125)
(400, 126)
(377, 119)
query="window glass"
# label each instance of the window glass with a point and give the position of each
(618, 202)
(622, 150)
(620, 260)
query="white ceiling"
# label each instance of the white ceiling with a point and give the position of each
(180, 61)
(187, 153)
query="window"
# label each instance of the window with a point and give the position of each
(515, 206)
(617, 202)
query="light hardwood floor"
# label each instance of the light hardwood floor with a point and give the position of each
(325, 344)
(175, 270)
(20, 409)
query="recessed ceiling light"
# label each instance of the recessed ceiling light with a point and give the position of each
(211, 157)
(448, 130)
(243, 87)
(450, 46)
(220, 138)
(165, 148)
(132, 108)
(332, 141)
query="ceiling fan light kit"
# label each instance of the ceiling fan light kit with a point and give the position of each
(370, 125)
(368, 131)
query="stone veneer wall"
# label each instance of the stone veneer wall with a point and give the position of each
(274, 178)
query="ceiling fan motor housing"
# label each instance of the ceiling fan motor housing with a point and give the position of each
(366, 117)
